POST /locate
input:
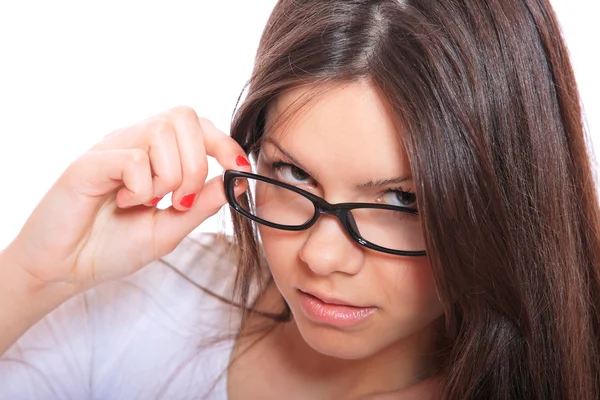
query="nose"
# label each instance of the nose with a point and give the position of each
(329, 249)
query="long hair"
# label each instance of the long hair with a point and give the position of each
(488, 110)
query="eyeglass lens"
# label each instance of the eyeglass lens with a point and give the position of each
(391, 229)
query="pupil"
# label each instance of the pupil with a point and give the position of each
(405, 198)
(297, 173)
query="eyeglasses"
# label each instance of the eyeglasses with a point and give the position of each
(381, 227)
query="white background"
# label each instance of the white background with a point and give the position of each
(73, 71)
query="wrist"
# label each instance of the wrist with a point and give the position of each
(24, 300)
(27, 294)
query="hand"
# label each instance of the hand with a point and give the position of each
(99, 221)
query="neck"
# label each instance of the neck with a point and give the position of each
(396, 368)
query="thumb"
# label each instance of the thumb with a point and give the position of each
(173, 225)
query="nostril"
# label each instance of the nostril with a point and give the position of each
(328, 249)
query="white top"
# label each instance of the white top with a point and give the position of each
(153, 335)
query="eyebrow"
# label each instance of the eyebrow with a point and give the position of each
(366, 185)
(385, 182)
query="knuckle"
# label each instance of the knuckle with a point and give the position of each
(161, 126)
(184, 112)
(137, 157)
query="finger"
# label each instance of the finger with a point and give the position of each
(228, 153)
(192, 155)
(157, 136)
(161, 143)
(99, 173)
(172, 226)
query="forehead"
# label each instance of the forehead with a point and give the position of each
(343, 127)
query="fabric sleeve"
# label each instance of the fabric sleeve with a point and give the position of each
(52, 360)
(151, 335)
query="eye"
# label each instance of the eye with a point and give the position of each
(291, 174)
(400, 198)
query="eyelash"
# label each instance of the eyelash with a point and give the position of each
(278, 162)
(401, 191)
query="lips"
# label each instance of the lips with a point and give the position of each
(325, 310)
(330, 300)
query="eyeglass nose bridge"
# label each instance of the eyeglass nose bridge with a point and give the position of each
(343, 215)
(325, 208)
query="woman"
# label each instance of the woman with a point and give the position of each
(421, 222)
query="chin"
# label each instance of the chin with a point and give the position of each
(334, 342)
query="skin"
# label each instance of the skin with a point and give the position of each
(98, 222)
(345, 137)
(74, 238)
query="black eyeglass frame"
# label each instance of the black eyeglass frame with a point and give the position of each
(339, 210)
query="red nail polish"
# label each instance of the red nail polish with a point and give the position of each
(188, 200)
(156, 200)
(242, 162)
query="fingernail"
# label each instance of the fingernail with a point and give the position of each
(188, 200)
(242, 162)
(156, 200)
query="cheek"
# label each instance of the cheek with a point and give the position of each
(281, 252)
(410, 291)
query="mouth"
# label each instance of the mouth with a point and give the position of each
(330, 311)
(330, 300)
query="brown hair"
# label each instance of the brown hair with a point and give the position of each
(489, 109)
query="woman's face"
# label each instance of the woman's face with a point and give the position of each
(344, 147)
